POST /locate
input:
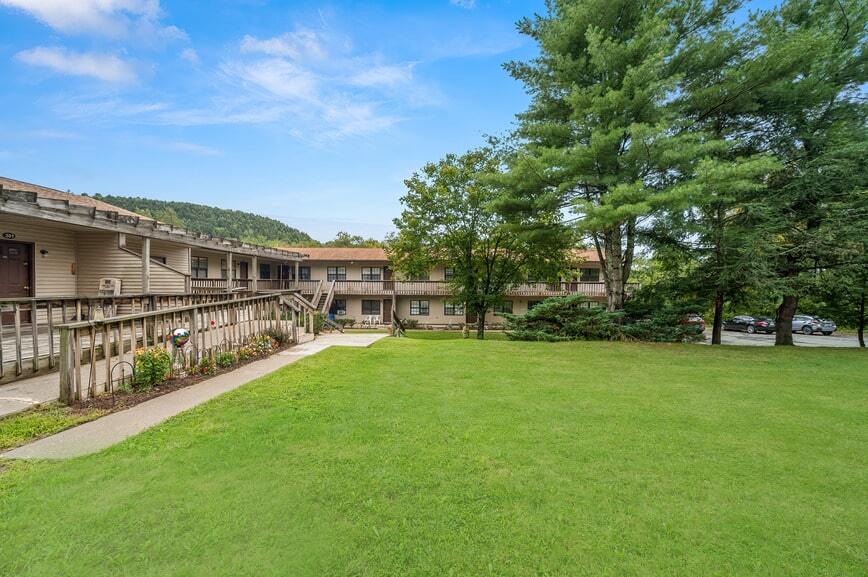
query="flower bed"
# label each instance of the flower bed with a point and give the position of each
(155, 374)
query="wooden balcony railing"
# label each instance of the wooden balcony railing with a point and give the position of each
(443, 288)
(208, 285)
(306, 287)
(275, 284)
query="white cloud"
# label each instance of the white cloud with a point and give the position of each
(384, 75)
(311, 84)
(105, 67)
(466, 4)
(190, 56)
(278, 77)
(112, 18)
(301, 43)
(50, 134)
(192, 148)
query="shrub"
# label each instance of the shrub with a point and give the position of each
(345, 322)
(277, 336)
(153, 367)
(257, 346)
(262, 344)
(571, 318)
(411, 323)
(206, 366)
(227, 359)
(318, 321)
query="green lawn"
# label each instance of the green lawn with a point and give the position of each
(459, 457)
(41, 422)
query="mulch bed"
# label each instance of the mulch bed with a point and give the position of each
(119, 401)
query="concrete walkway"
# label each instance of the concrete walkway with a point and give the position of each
(20, 395)
(106, 431)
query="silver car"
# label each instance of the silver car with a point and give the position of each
(809, 325)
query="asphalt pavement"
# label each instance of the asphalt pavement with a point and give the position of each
(761, 340)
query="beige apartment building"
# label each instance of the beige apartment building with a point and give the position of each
(357, 283)
(66, 257)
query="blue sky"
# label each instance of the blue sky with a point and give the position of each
(309, 112)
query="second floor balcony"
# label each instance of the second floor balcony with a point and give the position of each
(443, 288)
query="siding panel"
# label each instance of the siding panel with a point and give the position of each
(54, 276)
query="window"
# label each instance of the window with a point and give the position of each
(448, 273)
(336, 273)
(265, 271)
(339, 307)
(224, 271)
(421, 308)
(371, 273)
(590, 275)
(531, 304)
(503, 308)
(423, 276)
(199, 267)
(453, 308)
(304, 273)
(370, 307)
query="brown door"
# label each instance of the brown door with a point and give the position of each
(387, 311)
(15, 275)
(470, 318)
(388, 284)
(242, 269)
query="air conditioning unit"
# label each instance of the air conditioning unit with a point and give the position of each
(109, 287)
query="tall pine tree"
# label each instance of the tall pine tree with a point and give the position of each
(601, 136)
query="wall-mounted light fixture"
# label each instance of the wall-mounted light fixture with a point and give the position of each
(43, 252)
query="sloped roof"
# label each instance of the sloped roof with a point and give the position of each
(368, 254)
(586, 255)
(55, 194)
(62, 206)
(371, 254)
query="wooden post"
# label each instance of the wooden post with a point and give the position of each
(230, 272)
(188, 281)
(18, 368)
(194, 333)
(296, 274)
(146, 265)
(254, 280)
(66, 364)
(50, 313)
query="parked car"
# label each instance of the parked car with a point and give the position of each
(695, 322)
(827, 326)
(809, 325)
(749, 324)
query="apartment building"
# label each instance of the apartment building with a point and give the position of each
(357, 283)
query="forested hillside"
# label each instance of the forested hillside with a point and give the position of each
(212, 220)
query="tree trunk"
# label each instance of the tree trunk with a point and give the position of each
(717, 326)
(480, 323)
(861, 328)
(614, 270)
(784, 321)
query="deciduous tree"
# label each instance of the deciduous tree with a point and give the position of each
(449, 219)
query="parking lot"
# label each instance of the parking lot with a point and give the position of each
(758, 340)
